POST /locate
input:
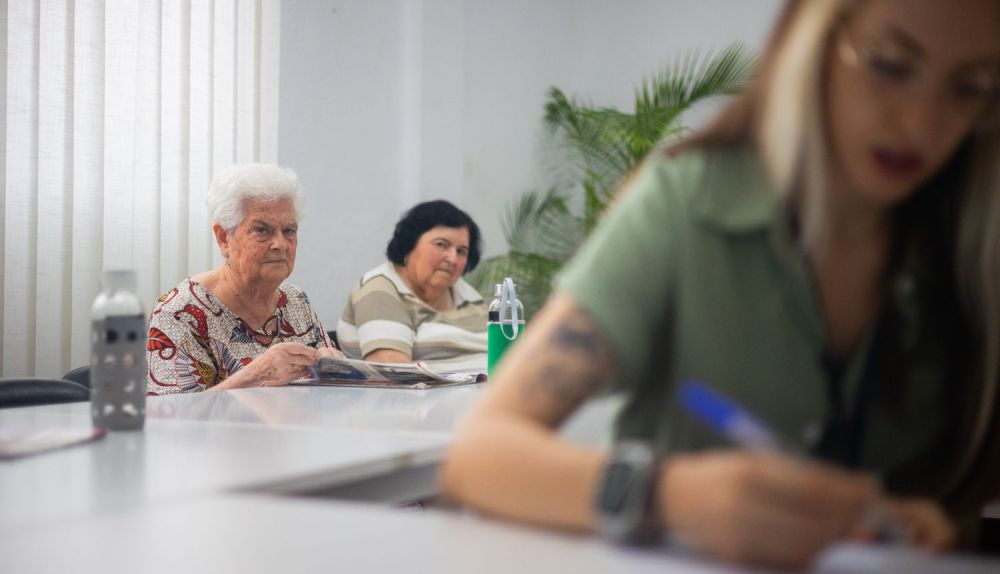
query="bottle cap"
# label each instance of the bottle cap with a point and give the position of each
(119, 280)
(498, 288)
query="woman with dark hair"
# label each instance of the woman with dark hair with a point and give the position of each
(416, 307)
(828, 256)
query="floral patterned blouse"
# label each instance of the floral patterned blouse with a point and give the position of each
(195, 342)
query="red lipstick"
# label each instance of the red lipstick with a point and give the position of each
(897, 164)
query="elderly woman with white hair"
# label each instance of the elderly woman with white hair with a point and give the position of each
(240, 325)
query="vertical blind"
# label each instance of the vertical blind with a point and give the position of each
(115, 115)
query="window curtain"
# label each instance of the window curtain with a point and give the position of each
(115, 115)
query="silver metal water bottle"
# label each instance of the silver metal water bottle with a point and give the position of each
(118, 355)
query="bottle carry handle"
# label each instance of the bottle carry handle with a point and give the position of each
(508, 300)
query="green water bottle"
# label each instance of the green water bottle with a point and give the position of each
(504, 324)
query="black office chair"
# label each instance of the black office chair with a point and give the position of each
(333, 337)
(26, 392)
(79, 375)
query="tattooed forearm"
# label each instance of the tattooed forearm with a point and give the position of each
(572, 360)
(577, 333)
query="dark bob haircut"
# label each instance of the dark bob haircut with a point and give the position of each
(426, 216)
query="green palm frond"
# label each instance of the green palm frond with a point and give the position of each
(602, 145)
(595, 139)
(692, 78)
(543, 224)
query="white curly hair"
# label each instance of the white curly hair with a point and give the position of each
(235, 185)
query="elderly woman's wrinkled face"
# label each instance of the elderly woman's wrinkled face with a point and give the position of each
(907, 81)
(262, 247)
(439, 257)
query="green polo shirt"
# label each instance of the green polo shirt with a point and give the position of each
(695, 274)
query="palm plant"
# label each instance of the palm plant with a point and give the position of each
(601, 144)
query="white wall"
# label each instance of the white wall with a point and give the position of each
(385, 103)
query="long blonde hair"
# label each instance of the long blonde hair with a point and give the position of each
(782, 114)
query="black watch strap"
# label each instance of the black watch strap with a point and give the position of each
(626, 502)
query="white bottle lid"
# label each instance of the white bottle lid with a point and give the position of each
(118, 296)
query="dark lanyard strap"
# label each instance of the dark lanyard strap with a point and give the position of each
(844, 431)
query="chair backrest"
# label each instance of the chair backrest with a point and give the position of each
(333, 337)
(27, 392)
(79, 375)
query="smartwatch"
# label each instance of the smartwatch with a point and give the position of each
(626, 498)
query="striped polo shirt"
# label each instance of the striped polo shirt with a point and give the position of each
(383, 313)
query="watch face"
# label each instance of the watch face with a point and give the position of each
(618, 477)
(624, 499)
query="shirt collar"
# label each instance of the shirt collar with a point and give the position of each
(461, 291)
(736, 195)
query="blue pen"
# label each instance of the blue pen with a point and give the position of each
(726, 417)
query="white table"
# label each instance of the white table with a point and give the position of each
(174, 460)
(434, 410)
(251, 534)
(348, 408)
(430, 410)
(169, 498)
(357, 444)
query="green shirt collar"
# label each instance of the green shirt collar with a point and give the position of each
(737, 196)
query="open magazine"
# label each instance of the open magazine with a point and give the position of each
(420, 375)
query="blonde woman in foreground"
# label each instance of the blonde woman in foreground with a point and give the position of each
(827, 254)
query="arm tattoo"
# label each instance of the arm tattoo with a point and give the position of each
(574, 362)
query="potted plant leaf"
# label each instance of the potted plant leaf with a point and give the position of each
(600, 146)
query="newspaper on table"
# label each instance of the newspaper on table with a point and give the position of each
(342, 371)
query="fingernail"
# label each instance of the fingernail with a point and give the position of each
(883, 526)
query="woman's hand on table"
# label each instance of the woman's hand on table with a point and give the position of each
(924, 523)
(761, 509)
(282, 364)
(278, 365)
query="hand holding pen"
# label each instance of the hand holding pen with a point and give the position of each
(801, 505)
